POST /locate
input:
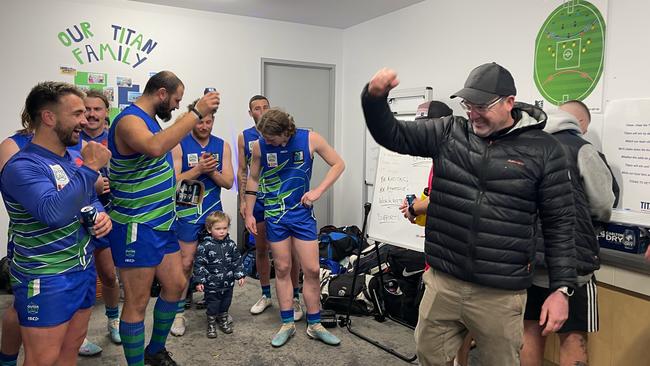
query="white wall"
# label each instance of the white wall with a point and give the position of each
(436, 43)
(203, 49)
(433, 43)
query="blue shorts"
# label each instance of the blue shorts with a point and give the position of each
(138, 245)
(304, 229)
(186, 231)
(101, 243)
(258, 211)
(52, 300)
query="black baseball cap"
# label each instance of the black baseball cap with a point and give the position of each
(487, 83)
(433, 109)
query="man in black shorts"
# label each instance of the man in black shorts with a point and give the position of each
(594, 198)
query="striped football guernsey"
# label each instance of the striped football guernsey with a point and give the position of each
(44, 194)
(286, 171)
(192, 151)
(143, 187)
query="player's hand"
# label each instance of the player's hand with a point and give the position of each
(241, 282)
(95, 156)
(209, 103)
(103, 225)
(251, 224)
(207, 163)
(310, 197)
(200, 287)
(242, 209)
(555, 312)
(404, 208)
(382, 82)
(106, 187)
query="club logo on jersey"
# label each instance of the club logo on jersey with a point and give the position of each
(272, 160)
(192, 159)
(215, 156)
(60, 177)
(250, 146)
(298, 157)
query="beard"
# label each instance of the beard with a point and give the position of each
(163, 111)
(66, 136)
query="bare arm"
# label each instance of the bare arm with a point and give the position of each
(177, 157)
(318, 144)
(133, 136)
(252, 184)
(225, 178)
(8, 148)
(242, 174)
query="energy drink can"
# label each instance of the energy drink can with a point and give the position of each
(89, 215)
(409, 199)
(209, 90)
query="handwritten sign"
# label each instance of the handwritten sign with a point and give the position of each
(397, 175)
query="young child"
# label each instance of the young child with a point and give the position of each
(216, 267)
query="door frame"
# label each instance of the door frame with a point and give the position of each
(331, 105)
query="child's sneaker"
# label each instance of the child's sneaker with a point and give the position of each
(317, 331)
(282, 336)
(224, 324)
(212, 327)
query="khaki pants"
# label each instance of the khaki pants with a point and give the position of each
(451, 307)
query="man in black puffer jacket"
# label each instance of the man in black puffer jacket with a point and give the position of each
(593, 198)
(497, 173)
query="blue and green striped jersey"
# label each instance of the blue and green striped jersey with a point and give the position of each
(192, 151)
(44, 194)
(286, 172)
(143, 187)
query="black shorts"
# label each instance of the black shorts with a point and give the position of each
(583, 307)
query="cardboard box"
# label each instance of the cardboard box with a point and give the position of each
(630, 239)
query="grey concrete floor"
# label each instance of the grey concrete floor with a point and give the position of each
(250, 342)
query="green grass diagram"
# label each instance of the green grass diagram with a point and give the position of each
(569, 52)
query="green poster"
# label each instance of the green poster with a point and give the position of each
(569, 52)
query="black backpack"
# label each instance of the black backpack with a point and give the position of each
(337, 243)
(401, 297)
(336, 290)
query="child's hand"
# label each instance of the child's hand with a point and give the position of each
(199, 287)
(241, 281)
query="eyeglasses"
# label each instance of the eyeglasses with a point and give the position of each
(482, 108)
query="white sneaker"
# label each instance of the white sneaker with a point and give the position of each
(178, 327)
(261, 305)
(297, 310)
(113, 328)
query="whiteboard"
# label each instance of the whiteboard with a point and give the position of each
(397, 175)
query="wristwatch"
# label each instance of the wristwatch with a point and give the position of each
(565, 290)
(412, 210)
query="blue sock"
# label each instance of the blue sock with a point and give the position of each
(181, 307)
(287, 316)
(8, 360)
(132, 335)
(313, 318)
(296, 292)
(163, 317)
(266, 291)
(112, 313)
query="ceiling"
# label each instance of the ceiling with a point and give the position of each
(326, 13)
